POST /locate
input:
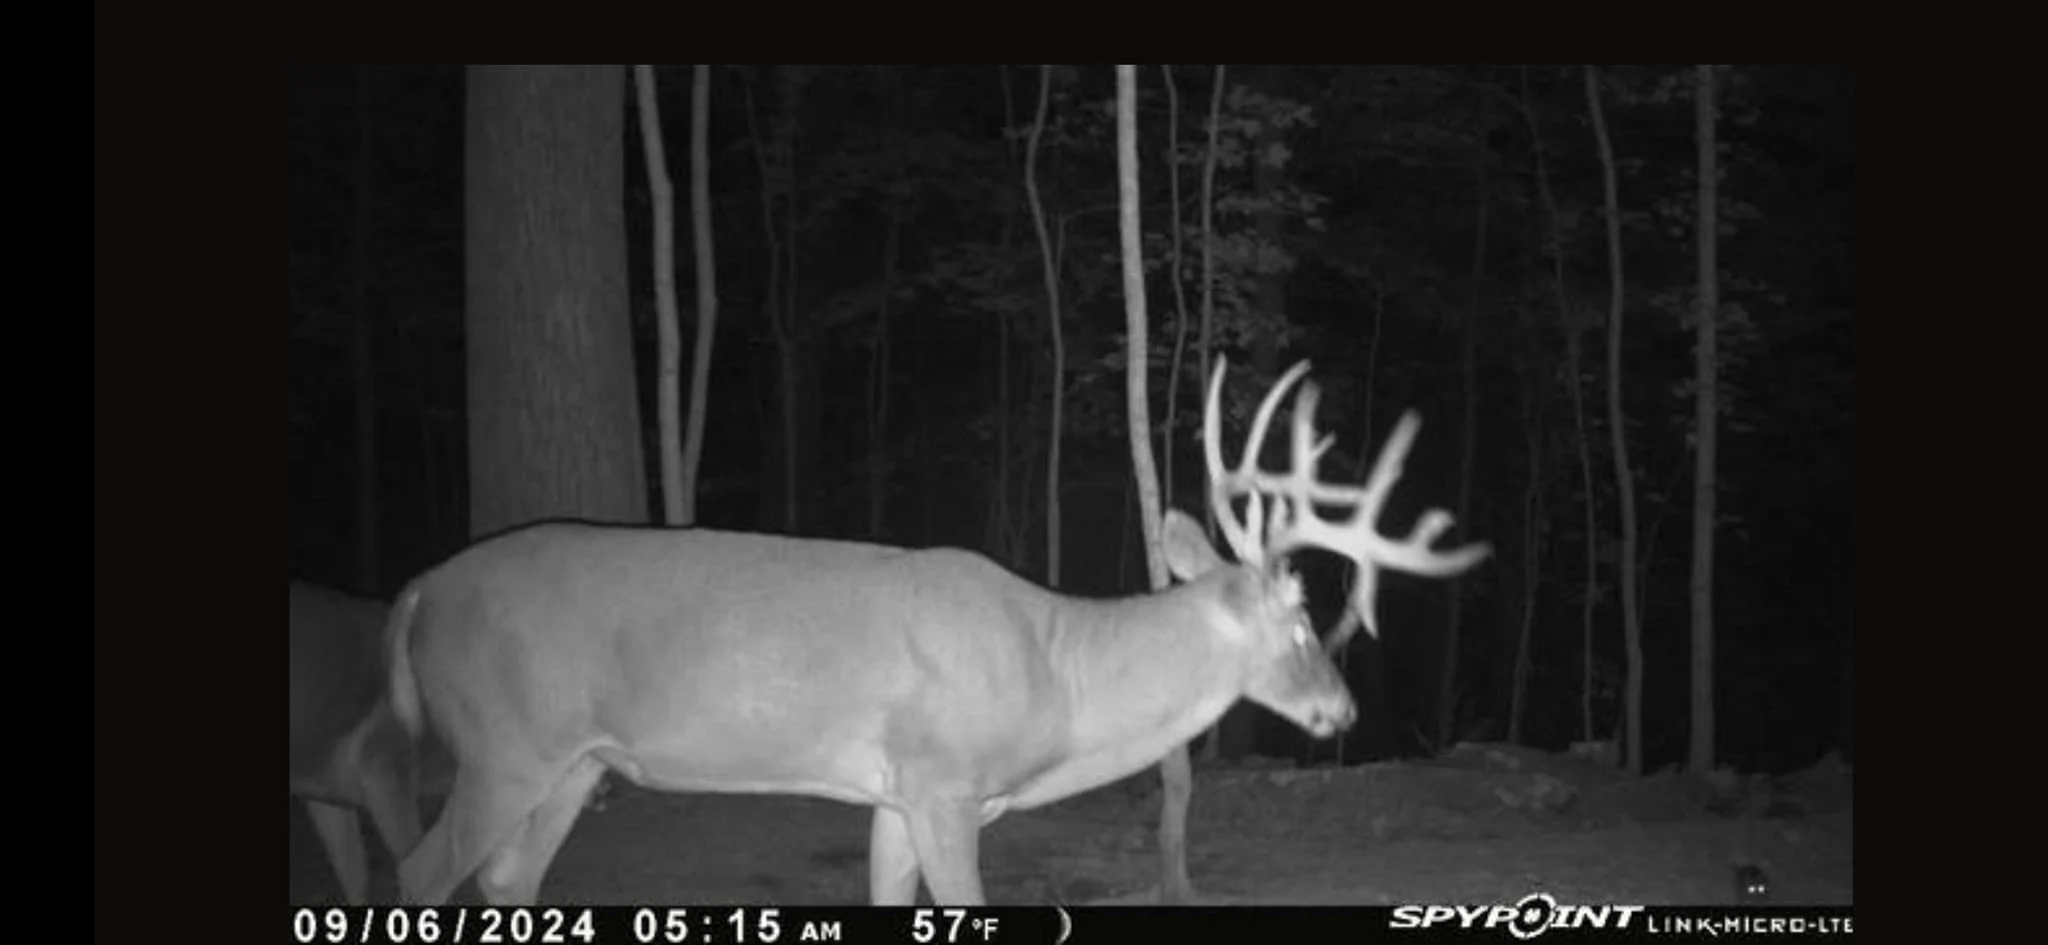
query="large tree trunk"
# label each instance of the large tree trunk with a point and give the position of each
(554, 424)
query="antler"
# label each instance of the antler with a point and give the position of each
(1224, 483)
(1295, 523)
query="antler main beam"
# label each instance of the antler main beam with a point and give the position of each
(1295, 522)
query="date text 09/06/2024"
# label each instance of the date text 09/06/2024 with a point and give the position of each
(668, 925)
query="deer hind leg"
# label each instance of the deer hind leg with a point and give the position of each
(946, 833)
(341, 835)
(513, 872)
(483, 812)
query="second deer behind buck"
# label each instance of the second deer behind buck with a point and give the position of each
(932, 685)
(349, 755)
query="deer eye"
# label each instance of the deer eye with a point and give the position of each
(1303, 637)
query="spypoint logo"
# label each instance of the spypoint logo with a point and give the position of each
(1535, 914)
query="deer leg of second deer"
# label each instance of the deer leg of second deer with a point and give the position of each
(341, 835)
(946, 833)
(393, 799)
(892, 861)
(482, 813)
(512, 874)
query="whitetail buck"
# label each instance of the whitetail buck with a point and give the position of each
(933, 685)
(348, 752)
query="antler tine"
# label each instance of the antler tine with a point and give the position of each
(1356, 535)
(1245, 537)
(1219, 479)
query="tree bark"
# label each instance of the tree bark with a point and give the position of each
(1706, 364)
(553, 419)
(1617, 429)
(1175, 769)
(677, 509)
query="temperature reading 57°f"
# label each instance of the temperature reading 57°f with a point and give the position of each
(951, 925)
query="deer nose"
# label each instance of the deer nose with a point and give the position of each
(1327, 720)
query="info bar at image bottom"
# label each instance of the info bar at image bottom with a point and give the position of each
(1534, 916)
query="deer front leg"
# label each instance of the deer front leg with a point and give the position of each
(946, 833)
(892, 861)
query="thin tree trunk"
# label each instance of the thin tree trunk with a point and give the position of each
(676, 508)
(707, 286)
(1209, 257)
(1706, 365)
(1174, 769)
(1631, 615)
(1052, 315)
(1180, 299)
(1532, 510)
(1582, 436)
(1468, 373)
(362, 350)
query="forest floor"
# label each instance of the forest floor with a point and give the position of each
(1481, 824)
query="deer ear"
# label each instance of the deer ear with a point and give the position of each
(1188, 552)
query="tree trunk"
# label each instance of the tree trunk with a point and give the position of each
(1175, 770)
(1049, 255)
(1631, 615)
(553, 418)
(707, 286)
(1581, 434)
(1532, 540)
(677, 508)
(1180, 301)
(1468, 375)
(1706, 362)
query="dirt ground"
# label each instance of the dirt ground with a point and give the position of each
(1483, 824)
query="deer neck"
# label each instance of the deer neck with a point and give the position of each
(1142, 675)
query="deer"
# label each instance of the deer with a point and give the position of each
(349, 753)
(933, 685)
